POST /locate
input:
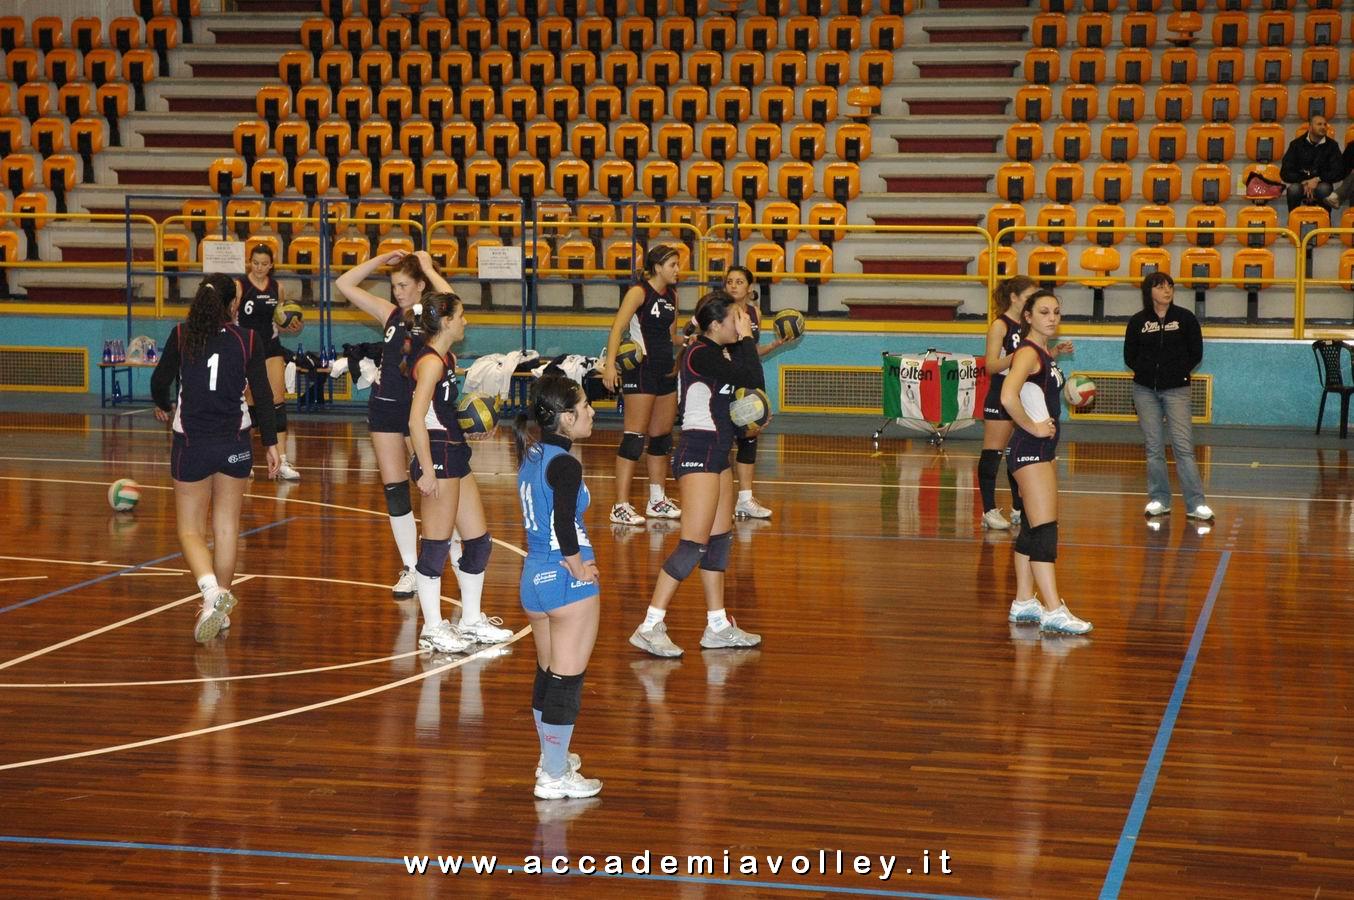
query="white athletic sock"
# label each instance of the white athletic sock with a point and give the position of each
(744, 496)
(207, 584)
(472, 589)
(716, 619)
(656, 491)
(653, 617)
(406, 538)
(429, 598)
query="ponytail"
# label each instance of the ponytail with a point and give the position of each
(550, 396)
(209, 311)
(424, 319)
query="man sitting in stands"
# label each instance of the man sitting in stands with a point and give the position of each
(1312, 165)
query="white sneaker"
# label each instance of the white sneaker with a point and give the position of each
(655, 640)
(1156, 508)
(443, 638)
(285, 472)
(1061, 621)
(993, 520)
(751, 509)
(624, 514)
(730, 637)
(575, 763)
(405, 585)
(486, 630)
(209, 618)
(663, 508)
(570, 784)
(1200, 512)
(1025, 611)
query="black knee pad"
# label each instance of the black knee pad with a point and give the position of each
(538, 688)
(716, 557)
(475, 554)
(632, 445)
(563, 697)
(432, 557)
(989, 461)
(685, 558)
(660, 445)
(1022, 540)
(280, 417)
(1044, 543)
(747, 450)
(398, 502)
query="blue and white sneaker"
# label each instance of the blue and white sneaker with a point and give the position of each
(1026, 611)
(1061, 621)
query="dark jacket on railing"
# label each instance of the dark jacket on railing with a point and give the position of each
(1162, 352)
(1303, 160)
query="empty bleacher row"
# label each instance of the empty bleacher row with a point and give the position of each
(1131, 119)
(587, 110)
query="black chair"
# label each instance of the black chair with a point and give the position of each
(1328, 355)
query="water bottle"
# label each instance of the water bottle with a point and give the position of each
(118, 355)
(107, 351)
(117, 391)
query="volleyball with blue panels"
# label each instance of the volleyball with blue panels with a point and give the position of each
(123, 495)
(477, 414)
(789, 324)
(750, 406)
(629, 355)
(1079, 392)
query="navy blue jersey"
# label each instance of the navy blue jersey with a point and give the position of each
(257, 307)
(1009, 344)
(394, 385)
(441, 415)
(706, 380)
(539, 504)
(211, 403)
(651, 325)
(1049, 379)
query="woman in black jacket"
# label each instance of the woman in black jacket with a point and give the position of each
(1162, 345)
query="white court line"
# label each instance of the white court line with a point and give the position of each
(25, 578)
(106, 565)
(98, 631)
(282, 714)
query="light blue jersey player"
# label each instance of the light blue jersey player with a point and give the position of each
(549, 475)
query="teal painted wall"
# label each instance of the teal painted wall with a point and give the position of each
(1254, 382)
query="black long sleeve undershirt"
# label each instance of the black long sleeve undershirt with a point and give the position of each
(256, 372)
(565, 477)
(742, 368)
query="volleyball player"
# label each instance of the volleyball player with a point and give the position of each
(388, 405)
(649, 312)
(738, 285)
(213, 359)
(1031, 395)
(441, 469)
(260, 296)
(559, 586)
(707, 379)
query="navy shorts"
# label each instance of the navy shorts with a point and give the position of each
(547, 585)
(274, 344)
(993, 411)
(204, 458)
(700, 451)
(648, 379)
(387, 416)
(1026, 450)
(449, 460)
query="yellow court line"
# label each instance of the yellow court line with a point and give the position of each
(106, 628)
(281, 714)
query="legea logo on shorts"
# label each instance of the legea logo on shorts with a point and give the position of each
(1027, 459)
(543, 578)
(578, 584)
(240, 457)
(692, 465)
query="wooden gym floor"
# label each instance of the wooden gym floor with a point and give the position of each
(1197, 744)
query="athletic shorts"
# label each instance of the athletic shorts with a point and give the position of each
(700, 451)
(450, 460)
(648, 379)
(1026, 450)
(993, 411)
(274, 346)
(547, 585)
(204, 458)
(387, 416)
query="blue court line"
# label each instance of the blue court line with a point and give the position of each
(434, 871)
(1123, 853)
(150, 562)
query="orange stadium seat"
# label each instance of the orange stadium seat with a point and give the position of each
(794, 181)
(1231, 29)
(1273, 65)
(1015, 182)
(269, 175)
(1049, 30)
(87, 139)
(18, 172)
(826, 220)
(1006, 215)
(750, 181)
(440, 178)
(1200, 266)
(1081, 102)
(1005, 261)
(1269, 103)
(1087, 66)
(1119, 141)
(808, 141)
(733, 103)
(675, 141)
(1265, 142)
(1161, 183)
(1276, 28)
(1072, 141)
(1064, 182)
(801, 33)
(777, 104)
(1305, 219)
(1174, 103)
(616, 179)
(1113, 182)
(1047, 266)
(841, 181)
(1320, 65)
(48, 32)
(1126, 102)
(1211, 183)
(1043, 66)
(1138, 29)
(1202, 217)
(34, 99)
(311, 177)
(876, 67)
(767, 262)
(572, 179)
(1179, 65)
(1316, 100)
(62, 65)
(1054, 219)
(239, 214)
(1024, 142)
(75, 99)
(1095, 29)
(1145, 261)
(398, 178)
(48, 135)
(1257, 218)
(1149, 219)
(292, 140)
(1226, 65)
(762, 141)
